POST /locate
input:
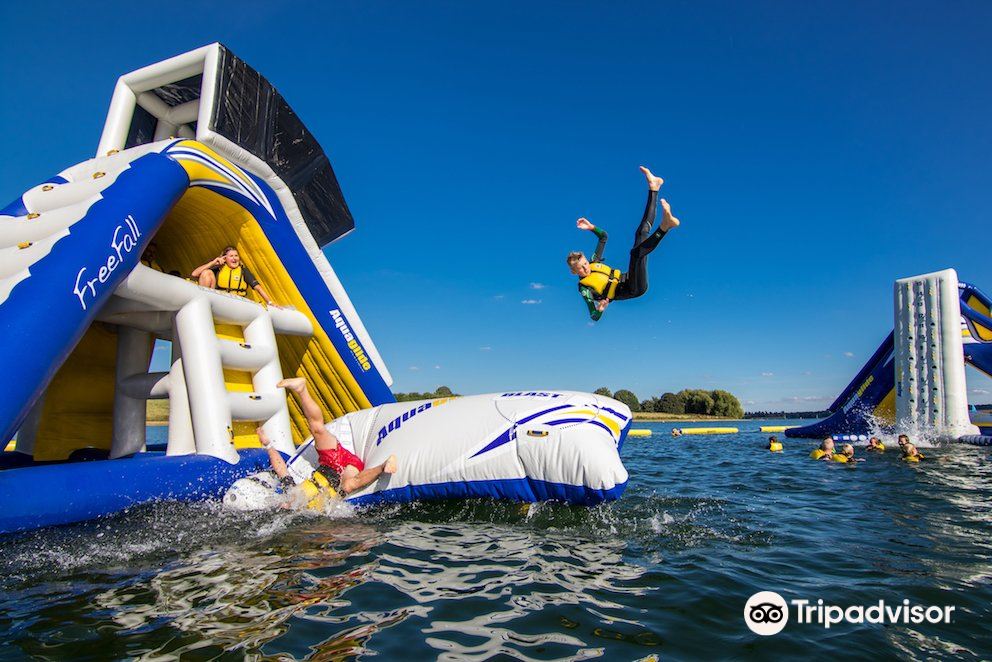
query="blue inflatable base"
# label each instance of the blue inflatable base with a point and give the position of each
(50, 494)
(62, 493)
(527, 490)
(976, 440)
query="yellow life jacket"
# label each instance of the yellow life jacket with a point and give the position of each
(839, 457)
(912, 458)
(775, 447)
(817, 454)
(318, 491)
(880, 448)
(602, 279)
(230, 280)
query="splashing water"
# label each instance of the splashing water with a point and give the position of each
(705, 523)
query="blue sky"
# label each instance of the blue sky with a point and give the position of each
(815, 151)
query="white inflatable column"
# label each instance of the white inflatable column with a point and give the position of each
(261, 337)
(181, 439)
(931, 391)
(208, 402)
(133, 355)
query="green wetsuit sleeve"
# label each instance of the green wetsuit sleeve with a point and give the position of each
(587, 296)
(601, 246)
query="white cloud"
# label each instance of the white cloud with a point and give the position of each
(768, 374)
(499, 297)
(537, 286)
(804, 398)
(414, 368)
(531, 302)
(849, 354)
(980, 391)
(486, 348)
(437, 367)
(807, 372)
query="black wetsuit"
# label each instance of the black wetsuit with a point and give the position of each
(634, 282)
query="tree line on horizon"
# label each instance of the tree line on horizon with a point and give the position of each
(787, 414)
(439, 392)
(687, 401)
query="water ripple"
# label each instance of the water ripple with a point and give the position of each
(666, 571)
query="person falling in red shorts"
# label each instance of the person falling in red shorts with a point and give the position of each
(344, 470)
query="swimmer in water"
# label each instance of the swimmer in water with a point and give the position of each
(903, 440)
(600, 284)
(847, 451)
(774, 445)
(911, 454)
(825, 451)
(341, 472)
(875, 444)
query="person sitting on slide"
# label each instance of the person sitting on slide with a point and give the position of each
(599, 284)
(148, 257)
(340, 470)
(229, 274)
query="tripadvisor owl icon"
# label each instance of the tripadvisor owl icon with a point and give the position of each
(766, 613)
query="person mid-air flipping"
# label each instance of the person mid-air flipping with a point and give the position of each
(599, 284)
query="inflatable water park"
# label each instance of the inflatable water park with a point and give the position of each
(199, 152)
(483, 331)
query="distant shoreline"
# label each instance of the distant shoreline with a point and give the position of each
(656, 417)
(158, 414)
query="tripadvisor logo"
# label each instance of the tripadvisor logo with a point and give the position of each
(766, 613)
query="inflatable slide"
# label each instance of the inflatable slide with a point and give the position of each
(200, 153)
(868, 404)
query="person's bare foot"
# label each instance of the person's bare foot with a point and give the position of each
(668, 221)
(297, 384)
(654, 182)
(262, 437)
(390, 466)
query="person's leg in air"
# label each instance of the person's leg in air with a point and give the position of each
(354, 475)
(635, 281)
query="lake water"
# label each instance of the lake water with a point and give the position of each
(666, 571)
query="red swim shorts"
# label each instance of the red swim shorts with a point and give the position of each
(338, 458)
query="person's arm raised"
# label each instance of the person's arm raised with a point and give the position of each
(584, 224)
(216, 262)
